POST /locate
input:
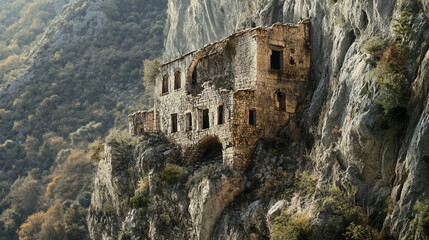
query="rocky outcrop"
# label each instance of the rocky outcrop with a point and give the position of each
(388, 162)
(207, 201)
(173, 211)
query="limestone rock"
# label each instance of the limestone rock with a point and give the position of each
(364, 154)
(208, 199)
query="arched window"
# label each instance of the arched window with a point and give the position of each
(165, 84)
(281, 99)
(177, 80)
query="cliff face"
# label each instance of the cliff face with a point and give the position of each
(389, 162)
(166, 209)
(347, 135)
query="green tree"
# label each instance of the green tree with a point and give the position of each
(403, 27)
(150, 73)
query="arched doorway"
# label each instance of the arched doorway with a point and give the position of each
(208, 150)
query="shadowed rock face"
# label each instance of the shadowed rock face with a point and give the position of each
(389, 162)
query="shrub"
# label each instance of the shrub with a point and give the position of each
(139, 201)
(362, 232)
(394, 90)
(150, 72)
(142, 185)
(293, 228)
(305, 182)
(421, 221)
(172, 173)
(374, 46)
(389, 205)
(96, 151)
(342, 204)
(275, 185)
(349, 218)
(403, 27)
(212, 172)
(108, 209)
(165, 218)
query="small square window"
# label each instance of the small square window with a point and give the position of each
(276, 59)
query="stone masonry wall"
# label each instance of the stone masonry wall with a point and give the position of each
(142, 121)
(235, 73)
(291, 79)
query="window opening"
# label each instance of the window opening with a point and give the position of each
(194, 78)
(281, 98)
(252, 117)
(177, 80)
(188, 122)
(292, 61)
(165, 84)
(220, 117)
(276, 59)
(173, 123)
(206, 123)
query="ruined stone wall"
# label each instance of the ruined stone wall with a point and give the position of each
(209, 96)
(229, 64)
(142, 121)
(237, 74)
(290, 80)
(244, 134)
(219, 69)
(245, 61)
(182, 104)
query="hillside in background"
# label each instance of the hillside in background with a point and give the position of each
(22, 25)
(80, 66)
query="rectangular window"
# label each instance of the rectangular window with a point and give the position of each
(276, 59)
(206, 122)
(188, 122)
(165, 84)
(252, 117)
(220, 118)
(173, 123)
(177, 80)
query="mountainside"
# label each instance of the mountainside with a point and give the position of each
(357, 163)
(82, 75)
(388, 161)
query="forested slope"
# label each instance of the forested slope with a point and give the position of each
(82, 77)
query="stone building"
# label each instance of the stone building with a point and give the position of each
(222, 98)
